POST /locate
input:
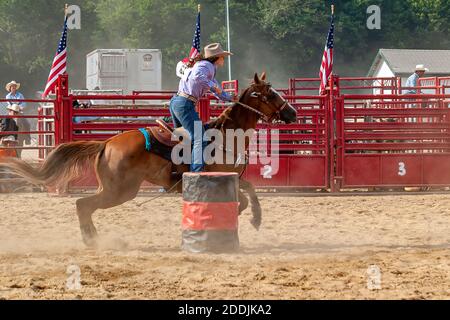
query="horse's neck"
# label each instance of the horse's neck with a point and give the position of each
(241, 118)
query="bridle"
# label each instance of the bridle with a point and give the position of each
(276, 115)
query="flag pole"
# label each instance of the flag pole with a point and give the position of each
(332, 17)
(66, 8)
(199, 9)
(229, 41)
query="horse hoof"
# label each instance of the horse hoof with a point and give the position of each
(89, 235)
(91, 243)
(256, 223)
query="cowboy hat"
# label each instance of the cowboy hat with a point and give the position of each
(421, 67)
(215, 50)
(6, 139)
(12, 83)
(14, 107)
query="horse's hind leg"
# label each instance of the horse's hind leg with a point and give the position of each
(85, 209)
(117, 193)
(256, 207)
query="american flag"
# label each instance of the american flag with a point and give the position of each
(327, 61)
(59, 62)
(195, 50)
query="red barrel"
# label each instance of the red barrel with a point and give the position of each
(210, 212)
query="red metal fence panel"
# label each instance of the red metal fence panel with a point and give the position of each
(303, 148)
(388, 141)
(339, 141)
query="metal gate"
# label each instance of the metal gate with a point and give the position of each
(339, 141)
(392, 140)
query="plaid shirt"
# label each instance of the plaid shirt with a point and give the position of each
(3, 110)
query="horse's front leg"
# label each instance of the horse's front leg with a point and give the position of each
(243, 202)
(256, 207)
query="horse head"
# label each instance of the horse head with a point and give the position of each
(267, 102)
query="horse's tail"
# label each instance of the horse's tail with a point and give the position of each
(62, 165)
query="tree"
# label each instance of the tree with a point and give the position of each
(283, 37)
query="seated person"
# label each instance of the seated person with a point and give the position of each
(10, 124)
(79, 119)
(8, 140)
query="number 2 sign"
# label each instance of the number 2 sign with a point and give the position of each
(266, 172)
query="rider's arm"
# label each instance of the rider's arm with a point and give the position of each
(219, 93)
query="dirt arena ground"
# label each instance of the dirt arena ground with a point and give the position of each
(307, 248)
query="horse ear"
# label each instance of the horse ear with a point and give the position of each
(263, 76)
(256, 79)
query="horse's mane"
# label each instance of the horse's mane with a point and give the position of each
(225, 115)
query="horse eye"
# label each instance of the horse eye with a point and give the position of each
(271, 95)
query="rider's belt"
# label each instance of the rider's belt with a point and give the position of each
(188, 96)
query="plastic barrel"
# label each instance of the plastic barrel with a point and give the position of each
(210, 212)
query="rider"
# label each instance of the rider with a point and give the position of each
(194, 85)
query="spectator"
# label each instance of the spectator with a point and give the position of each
(9, 124)
(13, 94)
(412, 82)
(80, 119)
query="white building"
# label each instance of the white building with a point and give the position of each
(402, 62)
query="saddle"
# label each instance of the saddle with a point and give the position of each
(163, 133)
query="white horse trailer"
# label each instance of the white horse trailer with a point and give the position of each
(124, 69)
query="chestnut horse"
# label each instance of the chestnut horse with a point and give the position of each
(121, 163)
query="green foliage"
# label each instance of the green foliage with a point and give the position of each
(285, 38)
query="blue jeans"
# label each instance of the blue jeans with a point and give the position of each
(183, 114)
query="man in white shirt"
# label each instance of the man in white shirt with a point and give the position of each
(412, 82)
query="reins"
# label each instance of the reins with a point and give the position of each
(261, 114)
(161, 195)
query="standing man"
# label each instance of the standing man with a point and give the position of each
(412, 82)
(23, 123)
(13, 94)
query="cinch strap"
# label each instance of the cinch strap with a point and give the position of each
(148, 145)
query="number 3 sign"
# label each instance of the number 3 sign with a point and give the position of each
(401, 169)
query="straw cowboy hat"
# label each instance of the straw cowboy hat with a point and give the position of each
(12, 83)
(215, 50)
(14, 107)
(421, 67)
(6, 139)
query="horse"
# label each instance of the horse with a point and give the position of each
(122, 162)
